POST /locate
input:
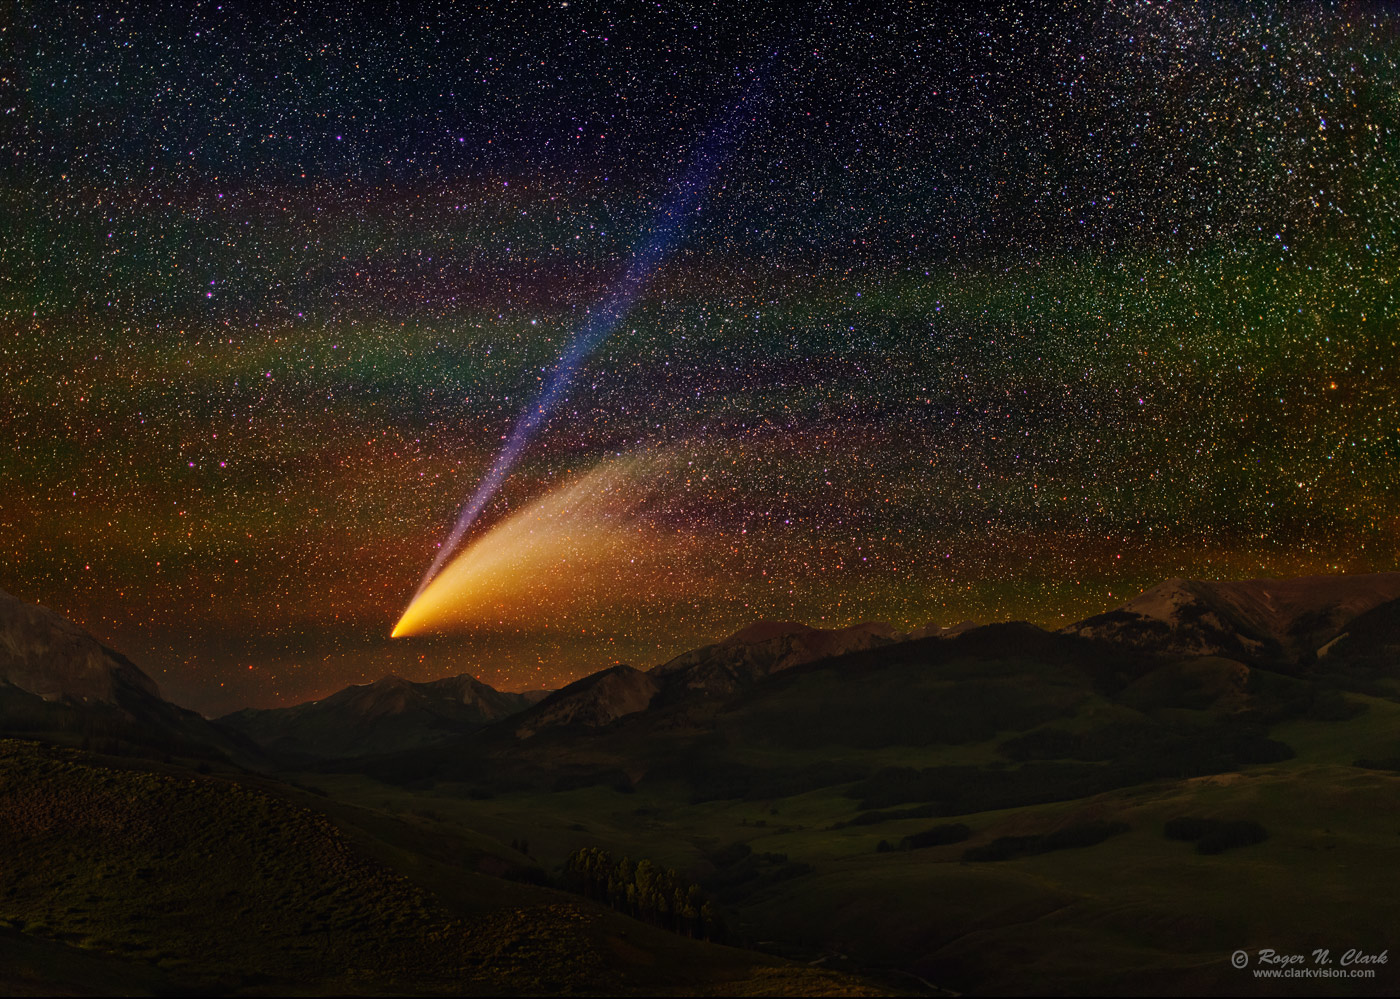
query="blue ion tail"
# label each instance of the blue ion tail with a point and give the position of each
(668, 227)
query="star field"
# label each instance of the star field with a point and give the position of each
(986, 313)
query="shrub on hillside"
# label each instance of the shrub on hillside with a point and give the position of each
(1389, 763)
(1229, 835)
(1069, 838)
(728, 856)
(1215, 835)
(1003, 848)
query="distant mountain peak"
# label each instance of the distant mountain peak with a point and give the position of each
(387, 715)
(51, 657)
(597, 700)
(1255, 619)
(59, 682)
(464, 686)
(763, 631)
(932, 630)
(764, 648)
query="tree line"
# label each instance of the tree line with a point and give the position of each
(644, 891)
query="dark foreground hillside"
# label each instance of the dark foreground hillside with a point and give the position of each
(995, 810)
(137, 881)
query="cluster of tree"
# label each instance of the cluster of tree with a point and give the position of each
(937, 836)
(1386, 763)
(1276, 697)
(1068, 838)
(1215, 835)
(644, 891)
(739, 871)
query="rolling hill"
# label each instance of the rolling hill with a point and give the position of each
(150, 880)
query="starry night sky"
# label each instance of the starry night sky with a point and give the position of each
(988, 311)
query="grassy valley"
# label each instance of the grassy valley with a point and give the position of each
(794, 816)
(995, 810)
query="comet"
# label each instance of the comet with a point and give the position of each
(571, 554)
(668, 227)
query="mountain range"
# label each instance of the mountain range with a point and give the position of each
(895, 803)
(386, 716)
(56, 678)
(393, 714)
